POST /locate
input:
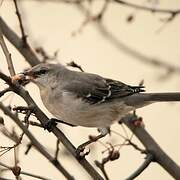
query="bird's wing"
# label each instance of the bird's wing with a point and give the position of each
(101, 90)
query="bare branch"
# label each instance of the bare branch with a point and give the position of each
(27, 52)
(7, 54)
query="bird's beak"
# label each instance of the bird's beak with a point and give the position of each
(29, 73)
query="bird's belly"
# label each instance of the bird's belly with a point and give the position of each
(77, 112)
(90, 116)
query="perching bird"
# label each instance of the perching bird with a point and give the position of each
(85, 99)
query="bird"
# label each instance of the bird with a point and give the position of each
(90, 100)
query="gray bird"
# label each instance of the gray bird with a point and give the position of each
(89, 100)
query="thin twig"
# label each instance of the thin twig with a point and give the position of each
(148, 159)
(23, 35)
(29, 146)
(57, 149)
(101, 166)
(24, 173)
(135, 146)
(140, 7)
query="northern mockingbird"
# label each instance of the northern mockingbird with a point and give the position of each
(85, 99)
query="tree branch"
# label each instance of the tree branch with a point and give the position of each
(34, 141)
(12, 37)
(152, 147)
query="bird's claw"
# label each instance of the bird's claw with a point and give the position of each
(81, 153)
(50, 124)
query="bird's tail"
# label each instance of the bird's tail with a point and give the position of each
(142, 99)
(174, 96)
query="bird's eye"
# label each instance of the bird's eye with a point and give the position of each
(42, 71)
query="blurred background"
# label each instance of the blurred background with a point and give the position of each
(129, 45)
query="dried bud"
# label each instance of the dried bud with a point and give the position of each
(1, 120)
(92, 138)
(139, 122)
(17, 77)
(16, 170)
(130, 18)
(114, 155)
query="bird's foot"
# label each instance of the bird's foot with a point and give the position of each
(50, 124)
(80, 152)
(63, 122)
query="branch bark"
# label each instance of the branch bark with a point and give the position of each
(7, 54)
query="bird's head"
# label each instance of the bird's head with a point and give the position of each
(43, 74)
